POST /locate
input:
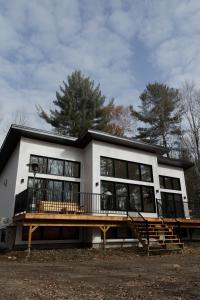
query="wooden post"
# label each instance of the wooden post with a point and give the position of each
(29, 240)
(31, 230)
(104, 229)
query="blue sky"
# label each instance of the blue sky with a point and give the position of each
(121, 44)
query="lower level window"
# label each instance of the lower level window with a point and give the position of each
(119, 233)
(52, 233)
(122, 197)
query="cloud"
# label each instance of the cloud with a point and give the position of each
(44, 41)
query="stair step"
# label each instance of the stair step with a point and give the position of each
(159, 251)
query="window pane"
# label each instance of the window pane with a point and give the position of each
(135, 197)
(146, 173)
(107, 198)
(178, 201)
(121, 196)
(106, 166)
(54, 190)
(133, 171)
(41, 161)
(71, 191)
(148, 199)
(168, 183)
(161, 178)
(39, 183)
(176, 184)
(120, 169)
(55, 167)
(167, 205)
(72, 169)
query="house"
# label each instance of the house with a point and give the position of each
(58, 189)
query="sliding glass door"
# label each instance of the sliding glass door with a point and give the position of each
(172, 205)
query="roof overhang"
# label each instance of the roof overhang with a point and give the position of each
(179, 163)
(115, 140)
(16, 132)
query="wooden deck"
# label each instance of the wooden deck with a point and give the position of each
(103, 222)
(54, 219)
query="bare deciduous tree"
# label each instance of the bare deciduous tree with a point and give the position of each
(190, 96)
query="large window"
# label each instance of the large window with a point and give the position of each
(41, 161)
(170, 183)
(107, 167)
(120, 168)
(126, 170)
(133, 171)
(122, 196)
(172, 205)
(56, 167)
(55, 190)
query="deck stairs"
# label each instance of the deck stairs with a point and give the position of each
(155, 237)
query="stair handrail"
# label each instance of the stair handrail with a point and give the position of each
(146, 222)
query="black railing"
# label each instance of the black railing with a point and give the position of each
(178, 209)
(143, 220)
(58, 201)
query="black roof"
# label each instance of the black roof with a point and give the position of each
(17, 131)
(180, 163)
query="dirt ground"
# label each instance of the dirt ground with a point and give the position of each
(94, 274)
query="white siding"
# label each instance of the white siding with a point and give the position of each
(119, 152)
(171, 171)
(51, 150)
(8, 185)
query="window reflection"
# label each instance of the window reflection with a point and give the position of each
(55, 167)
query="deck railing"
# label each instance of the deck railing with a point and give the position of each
(178, 209)
(58, 201)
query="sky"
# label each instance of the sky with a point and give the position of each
(121, 44)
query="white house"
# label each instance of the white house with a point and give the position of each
(107, 176)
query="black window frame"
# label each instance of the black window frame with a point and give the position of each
(45, 188)
(127, 169)
(128, 189)
(113, 167)
(58, 159)
(174, 204)
(163, 178)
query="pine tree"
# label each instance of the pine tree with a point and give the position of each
(79, 106)
(161, 113)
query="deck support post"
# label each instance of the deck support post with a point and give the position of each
(30, 231)
(104, 229)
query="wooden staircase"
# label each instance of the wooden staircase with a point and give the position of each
(155, 237)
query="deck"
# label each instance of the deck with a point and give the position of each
(42, 208)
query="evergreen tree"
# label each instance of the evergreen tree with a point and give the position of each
(160, 111)
(80, 106)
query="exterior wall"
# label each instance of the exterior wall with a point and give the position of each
(8, 187)
(178, 173)
(124, 153)
(51, 150)
(119, 152)
(29, 147)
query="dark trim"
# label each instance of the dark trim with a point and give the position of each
(57, 159)
(51, 179)
(16, 132)
(127, 169)
(172, 182)
(179, 163)
(128, 185)
(165, 205)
